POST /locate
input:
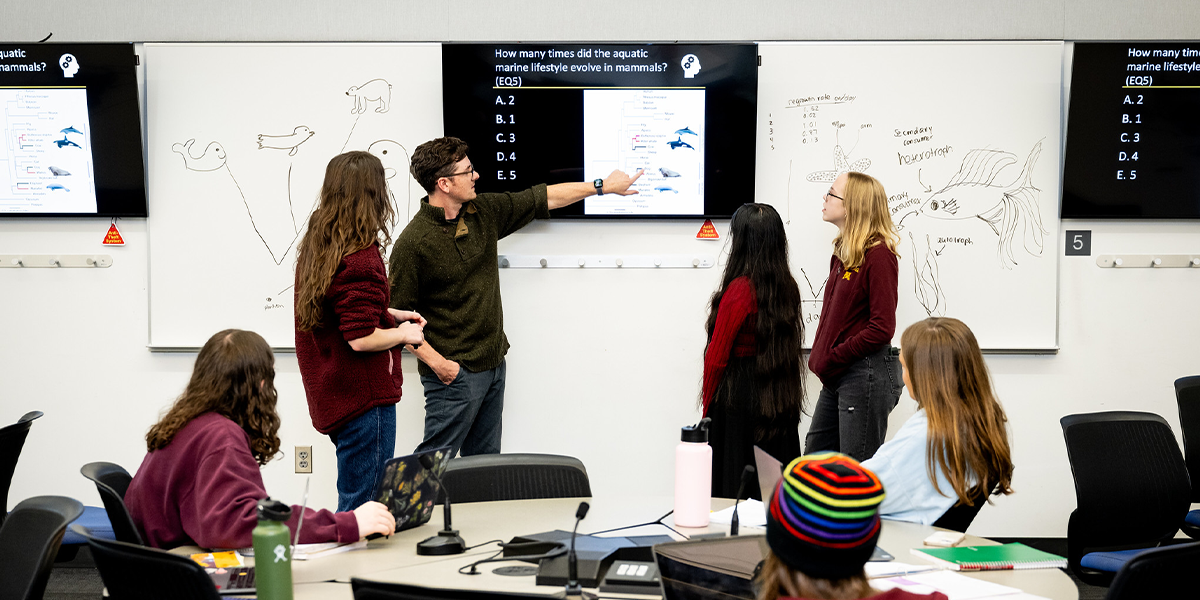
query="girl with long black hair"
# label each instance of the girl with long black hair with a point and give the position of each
(753, 386)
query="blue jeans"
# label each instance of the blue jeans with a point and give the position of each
(851, 414)
(362, 447)
(466, 414)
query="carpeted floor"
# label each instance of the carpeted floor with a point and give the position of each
(76, 579)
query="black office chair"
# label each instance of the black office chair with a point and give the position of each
(959, 517)
(135, 572)
(1131, 489)
(12, 440)
(1187, 396)
(29, 541)
(375, 590)
(112, 481)
(1165, 572)
(491, 477)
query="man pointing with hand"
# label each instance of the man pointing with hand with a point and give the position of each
(444, 266)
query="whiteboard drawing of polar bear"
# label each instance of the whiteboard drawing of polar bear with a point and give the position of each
(375, 90)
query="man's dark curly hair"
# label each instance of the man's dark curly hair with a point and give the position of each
(435, 159)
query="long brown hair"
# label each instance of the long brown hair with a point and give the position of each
(234, 377)
(759, 252)
(353, 212)
(776, 579)
(967, 432)
(868, 220)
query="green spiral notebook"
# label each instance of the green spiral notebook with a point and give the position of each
(992, 558)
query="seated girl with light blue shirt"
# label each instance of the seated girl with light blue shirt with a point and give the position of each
(956, 445)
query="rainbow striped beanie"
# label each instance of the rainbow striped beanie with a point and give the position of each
(824, 515)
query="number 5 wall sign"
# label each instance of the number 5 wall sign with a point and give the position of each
(1079, 243)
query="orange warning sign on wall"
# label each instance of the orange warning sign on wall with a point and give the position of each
(708, 232)
(113, 237)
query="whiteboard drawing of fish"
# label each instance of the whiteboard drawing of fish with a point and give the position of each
(973, 193)
(840, 165)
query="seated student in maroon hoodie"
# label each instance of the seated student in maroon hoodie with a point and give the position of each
(200, 483)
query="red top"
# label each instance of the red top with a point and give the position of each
(896, 594)
(340, 383)
(858, 316)
(733, 334)
(203, 489)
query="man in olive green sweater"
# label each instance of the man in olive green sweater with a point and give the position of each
(444, 266)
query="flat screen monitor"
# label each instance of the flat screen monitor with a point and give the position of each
(1133, 132)
(554, 113)
(72, 131)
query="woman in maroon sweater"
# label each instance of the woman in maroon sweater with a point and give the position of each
(200, 483)
(753, 386)
(852, 353)
(347, 339)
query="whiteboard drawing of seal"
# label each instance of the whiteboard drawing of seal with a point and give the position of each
(375, 90)
(291, 142)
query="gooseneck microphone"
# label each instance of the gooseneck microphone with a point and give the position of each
(574, 590)
(747, 474)
(447, 541)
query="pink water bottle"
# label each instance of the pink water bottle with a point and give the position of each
(693, 476)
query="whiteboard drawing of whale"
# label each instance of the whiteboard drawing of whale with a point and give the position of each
(211, 159)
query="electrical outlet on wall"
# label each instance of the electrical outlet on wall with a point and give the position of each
(304, 459)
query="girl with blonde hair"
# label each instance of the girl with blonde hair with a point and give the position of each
(851, 352)
(954, 449)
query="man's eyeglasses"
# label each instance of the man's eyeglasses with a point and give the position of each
(829, 195)
(470, 171)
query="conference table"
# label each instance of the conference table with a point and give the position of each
(395, 559)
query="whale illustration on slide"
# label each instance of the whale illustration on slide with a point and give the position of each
(679, 143)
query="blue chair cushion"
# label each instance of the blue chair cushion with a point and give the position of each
(95, 519)
(1193, 518)
(1109, 562)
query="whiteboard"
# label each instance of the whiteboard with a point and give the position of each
(239, 137)
(964, 138)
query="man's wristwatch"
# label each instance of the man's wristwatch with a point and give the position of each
(599, 183)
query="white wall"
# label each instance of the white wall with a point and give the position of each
(605, 364)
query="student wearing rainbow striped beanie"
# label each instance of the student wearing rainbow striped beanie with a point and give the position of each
(822, 525)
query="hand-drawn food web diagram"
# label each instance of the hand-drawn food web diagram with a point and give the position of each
(370, 98)
(935, 219)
